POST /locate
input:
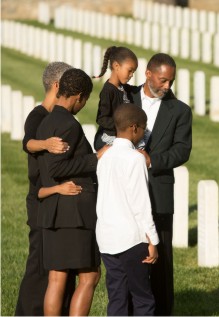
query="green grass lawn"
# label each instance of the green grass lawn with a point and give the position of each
(196, 289)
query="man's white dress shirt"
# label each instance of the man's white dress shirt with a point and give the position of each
(123, 204)
(151, 107)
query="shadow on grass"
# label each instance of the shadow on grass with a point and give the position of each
(193, 237)
(197, 303)
(193, 208)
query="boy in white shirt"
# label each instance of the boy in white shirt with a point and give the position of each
(125, 229)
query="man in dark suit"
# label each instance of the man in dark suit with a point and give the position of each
(168, 140)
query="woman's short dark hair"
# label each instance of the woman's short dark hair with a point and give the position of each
(75, 81)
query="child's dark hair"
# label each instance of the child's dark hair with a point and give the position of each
(128, 114)
(73, 82)
(116, 54)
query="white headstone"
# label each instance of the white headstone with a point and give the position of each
(90, 131)
(181, 207)
(77, 53)
(208, 238)
(107, 26)
(171, 15)
(52, 47)
(24, 38)
(211, 22)
(163, 14)
(60, 47)
(199, 93)
(114, 28)
(178, 17)
(43, 12)
(130, 31)
(28, 105)
(88, 59)
(206, 47)
(138, 33)
(156, 12)
(69, 18)
(17, 44)
(195, 46)
(216, 50)
(140, 72)
(183, 85)
(146, 41)
(149, 11)
(165, 39)
(6, 108)
(100, 22)
(184, 43)
(45, 45)
(214, 98)
(202, 21)
(38, 44)
(155, 39)
(186, 18)
(194, 19)
(174, 41)
(122, 29)
(68, 50)
(31, 40)
(17, 127)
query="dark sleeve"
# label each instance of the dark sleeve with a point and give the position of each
(77, 160)
(180, 150)
(109, 100)
(30, 127)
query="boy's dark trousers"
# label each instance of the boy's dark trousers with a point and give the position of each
(126, 273)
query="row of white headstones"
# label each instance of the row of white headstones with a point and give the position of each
(168, 29)
(15, 108)
(50, 46)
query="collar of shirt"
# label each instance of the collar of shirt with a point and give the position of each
(123, 142)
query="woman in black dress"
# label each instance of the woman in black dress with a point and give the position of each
(69, 221)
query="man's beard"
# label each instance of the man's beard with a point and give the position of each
(156, 93)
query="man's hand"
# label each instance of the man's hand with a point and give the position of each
(69, 188)
(102, 151)
(55, 145)
(153, 254)
(147, 157)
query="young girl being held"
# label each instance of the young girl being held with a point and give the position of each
(123, 63)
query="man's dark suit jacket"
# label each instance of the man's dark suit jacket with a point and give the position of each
(78, 164)
(169, 146)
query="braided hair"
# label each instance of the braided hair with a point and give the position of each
(115, 54)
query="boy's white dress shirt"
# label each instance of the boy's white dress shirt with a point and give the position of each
(123, 204)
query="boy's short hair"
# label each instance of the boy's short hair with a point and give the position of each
(128, 114)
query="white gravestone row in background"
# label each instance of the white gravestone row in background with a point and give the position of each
(88, 57)
(134, 32)
(169, 15)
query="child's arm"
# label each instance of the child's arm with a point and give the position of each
(67, 188)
